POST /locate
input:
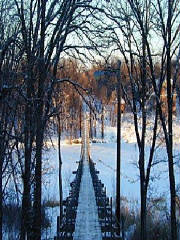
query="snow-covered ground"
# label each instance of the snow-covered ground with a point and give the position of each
(128, 133)
(104, 155)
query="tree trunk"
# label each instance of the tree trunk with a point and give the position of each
(173, 196)
(38, 183)
(26, 199)
(102, 123)
(41, 123)
(118, 183)
(2, 153)
(1, 197)
(170, 129)
(122, 224)
(95, 134)
(142, 148)
(90, 127)
(26, 218)
(60, 173)
(80, 121)
(143, 209)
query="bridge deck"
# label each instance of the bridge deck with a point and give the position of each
(87, 225)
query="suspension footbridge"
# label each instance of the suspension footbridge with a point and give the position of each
(88, 213)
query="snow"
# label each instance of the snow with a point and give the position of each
(128, 132)
(70, 156)
(104, 155)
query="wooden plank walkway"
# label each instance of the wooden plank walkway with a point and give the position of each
(87, 225)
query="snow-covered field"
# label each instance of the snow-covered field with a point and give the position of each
(104, 155)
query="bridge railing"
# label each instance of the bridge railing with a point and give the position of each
(105, 211)
(66, 228)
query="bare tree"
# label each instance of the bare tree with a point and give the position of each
(128, 38)
(8, 54)
(46, 28)
(139, 20)
(167, 25)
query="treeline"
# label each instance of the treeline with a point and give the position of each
(99, 81)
